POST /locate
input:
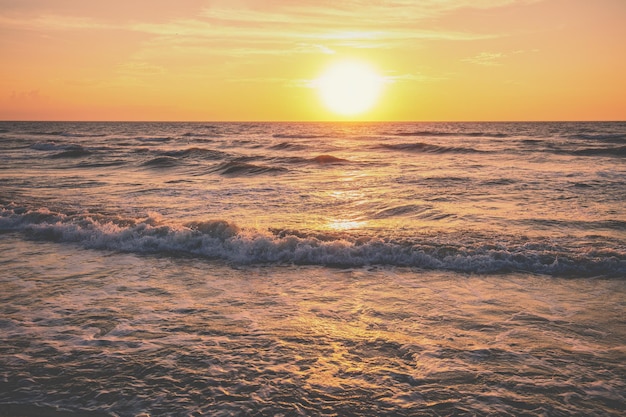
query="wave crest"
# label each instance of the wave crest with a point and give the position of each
(422, 147)
(431, 133)
(328, 159)
(218, 239)
(237, 168)
(296, 136)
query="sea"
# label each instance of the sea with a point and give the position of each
(312, 269)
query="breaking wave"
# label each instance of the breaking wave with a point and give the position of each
(222, 240)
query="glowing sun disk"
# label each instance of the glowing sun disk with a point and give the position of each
(349, 88)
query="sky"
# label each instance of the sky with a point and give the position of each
(257, 60)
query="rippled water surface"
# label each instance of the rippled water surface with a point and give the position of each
(312, 269)
(123, 334)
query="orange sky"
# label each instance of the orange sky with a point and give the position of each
(256, 59)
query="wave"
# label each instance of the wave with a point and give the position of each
(422, 147)
(401, 210)
(430, 133)
(161, 162)
(200, 153)
(619, 138)
(66, 150)
(67, 134)
(114, 163)
(149, 139)
(328, 159)
(201, 135)
(317, 160)
(166, 159)
(287, 146)
(296, 136)
(238, 168)
(75, 151)
(619, 151)
(223, 240)
(50, 146)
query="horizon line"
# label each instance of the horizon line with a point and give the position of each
(310, 121)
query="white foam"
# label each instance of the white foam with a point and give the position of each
(219, 239)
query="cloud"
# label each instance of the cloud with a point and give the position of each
(110, 11)
(495, 58)
(419, 77)
(26, 96)
(486, 58)
(51, 22)
(355, 23)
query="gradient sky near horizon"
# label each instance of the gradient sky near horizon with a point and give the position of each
(257, 60)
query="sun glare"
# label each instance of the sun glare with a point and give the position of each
(349, 88)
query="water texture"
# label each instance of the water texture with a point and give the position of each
(312, 269)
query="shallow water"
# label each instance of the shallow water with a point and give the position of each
(125, 334)
(312, 269)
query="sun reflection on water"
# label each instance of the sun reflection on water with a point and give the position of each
(347, 202)
(342, 225)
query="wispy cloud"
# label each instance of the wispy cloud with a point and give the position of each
(419, 77)
(494, 58)
(31, 95)
(486, 58)
(53, 22)
(382, 24)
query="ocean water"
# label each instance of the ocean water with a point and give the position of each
(313, 269)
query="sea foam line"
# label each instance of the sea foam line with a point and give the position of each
(218, 239)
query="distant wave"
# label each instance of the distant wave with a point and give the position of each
(288, 146)
(410, 210)
(323, 159)
(237, 168)
(328, 159)
(619, 138)
(51, 146)
(532, 141)
(66, 150)
(219, 239)
(201, 135)
(427, 148)
(201, 153)
(152, 139)
(72, 152)
(296, 136)
(429, 133)
(67, 134)
(619, 151)
(167, 159)
(161, 162)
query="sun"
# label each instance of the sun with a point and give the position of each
(349, 88)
